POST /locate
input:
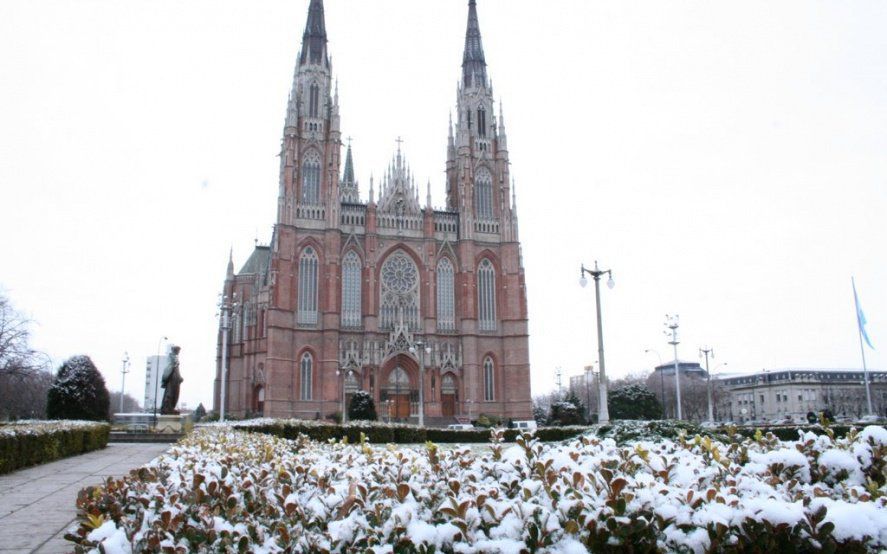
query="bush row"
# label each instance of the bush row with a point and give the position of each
(379, 433)
(33, 443)
(790, 432)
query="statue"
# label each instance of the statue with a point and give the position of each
(172, 379)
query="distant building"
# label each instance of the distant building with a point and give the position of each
(690, 369)
(585, 387)
(784, 394)
(153, 370)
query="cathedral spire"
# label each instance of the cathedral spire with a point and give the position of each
(474, 67)
(314, 38)
(230, 272)
(348, 186)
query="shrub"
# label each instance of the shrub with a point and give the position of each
(362, 407)
(564, 413)
(78, 392)
(38, 442)
(223, 491)
(633, 401)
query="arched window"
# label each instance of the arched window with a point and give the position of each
(483, 195)
(308, 287)
(488, 379)
(313, 100)
(446, 308)
(399, 292)
(351, 316)
(306, 376)
(311, 179)
(486, 296)
(481, 122)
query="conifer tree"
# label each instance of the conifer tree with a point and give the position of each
(78, 392)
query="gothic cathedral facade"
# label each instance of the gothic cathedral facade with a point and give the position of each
(424, 309)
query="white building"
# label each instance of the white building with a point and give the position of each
(780, 395)
(153, 370)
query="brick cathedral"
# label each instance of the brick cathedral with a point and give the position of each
(423, 308)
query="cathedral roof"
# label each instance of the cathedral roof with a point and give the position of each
(474, 66)
(257, 262)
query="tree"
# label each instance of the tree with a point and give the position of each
(24, 372)
(199, 413)
(362, 407)
(78, 392)
(633, 402)
(564, 413)
(130, 404)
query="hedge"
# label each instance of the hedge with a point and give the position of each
(383, 433)
(31, 443)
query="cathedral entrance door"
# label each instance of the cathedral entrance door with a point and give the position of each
(401, 406)
(448, 396)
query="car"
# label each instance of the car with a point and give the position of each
(461, 426)
(527, 425)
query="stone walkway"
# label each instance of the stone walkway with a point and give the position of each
(38, 504)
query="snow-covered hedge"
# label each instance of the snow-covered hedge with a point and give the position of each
(224, 490)
(32, 442)
(383, 433)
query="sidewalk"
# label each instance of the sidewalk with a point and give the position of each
(38, 504)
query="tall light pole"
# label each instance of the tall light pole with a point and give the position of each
(708, 351)
(603, 411)
(661, 378)
(157, 378)
(225, 307)
(419, 349)
(123, 371)
(672, 322)
(344, 374)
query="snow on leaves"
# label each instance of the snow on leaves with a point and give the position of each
(221, 489)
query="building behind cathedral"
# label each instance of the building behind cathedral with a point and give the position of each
(373, 296)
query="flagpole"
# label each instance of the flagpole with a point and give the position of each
(865, 371)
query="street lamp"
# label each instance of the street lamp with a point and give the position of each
(708, 351)
(419, 349)
(157, 378)
(661, 378)
(672, 322)
(603, 412)
(345, 375)
(225, 307)
(124, 371)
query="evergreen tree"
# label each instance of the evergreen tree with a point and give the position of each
(78, 392)
(199, 413)
(633, 402)
(362, 407)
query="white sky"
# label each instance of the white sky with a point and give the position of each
(726, 159)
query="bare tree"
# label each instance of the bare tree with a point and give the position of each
(24, 372)
(130, 404)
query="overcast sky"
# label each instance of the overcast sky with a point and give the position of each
(726, 160)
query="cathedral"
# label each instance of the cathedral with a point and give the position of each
(425, 309)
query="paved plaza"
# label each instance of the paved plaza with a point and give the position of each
(38, 504)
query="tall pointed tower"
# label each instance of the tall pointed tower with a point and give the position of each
(424, 309)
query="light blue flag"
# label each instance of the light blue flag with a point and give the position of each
(860, 317)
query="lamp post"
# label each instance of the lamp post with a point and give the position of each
(123, 371)
(157, 378)
(661, 378)
(672, 322)
(708, 351)
(419, 349)
(603, 412)
(225, 307)
(344, 375)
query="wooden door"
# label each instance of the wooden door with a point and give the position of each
(402, 406)
(448, 405)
